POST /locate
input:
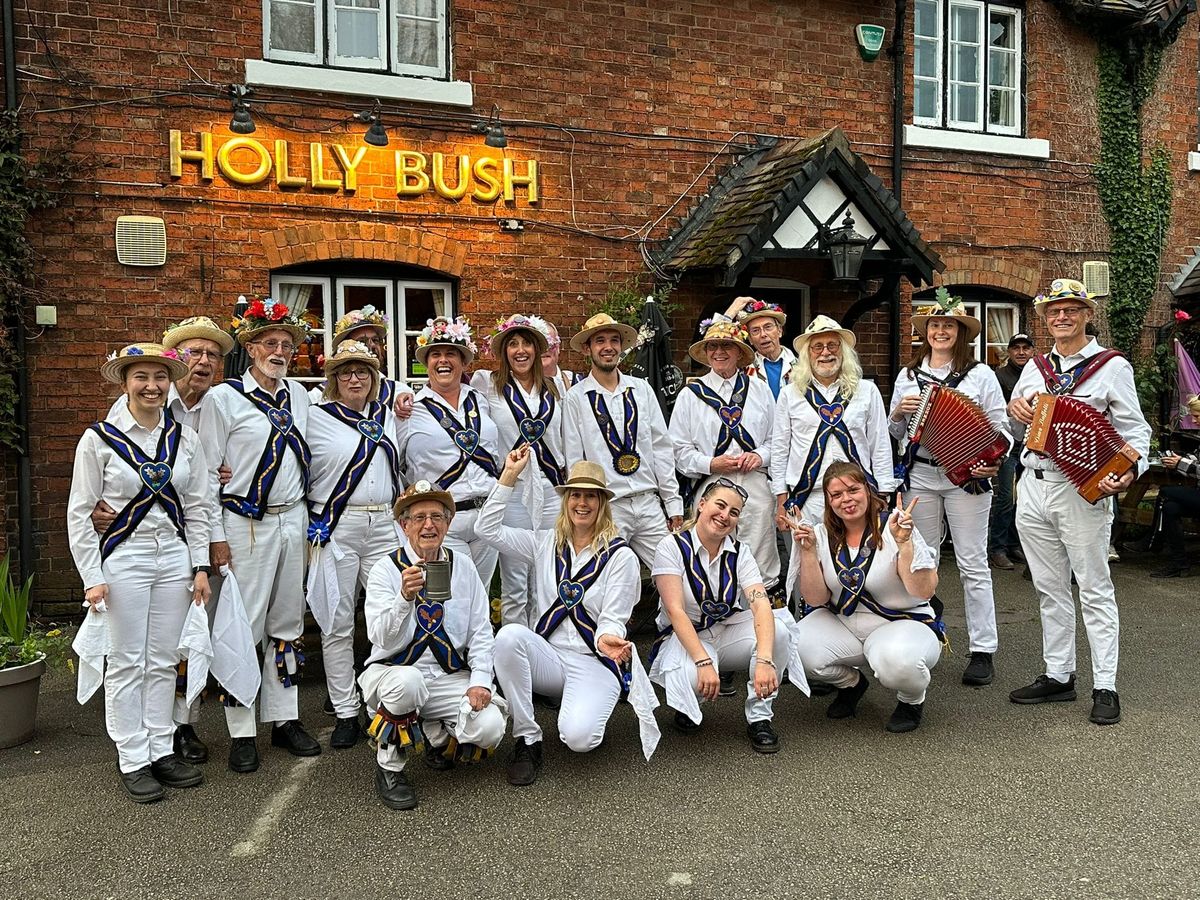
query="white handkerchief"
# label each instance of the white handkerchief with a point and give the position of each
(322, 589)
(644, 701)
(669, 671)
(195, 645)
(234, 662)
(92, 643)
(795, 666)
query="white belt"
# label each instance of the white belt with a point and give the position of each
(278, 508)
(371, 507)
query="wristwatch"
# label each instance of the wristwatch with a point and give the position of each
(196, 570)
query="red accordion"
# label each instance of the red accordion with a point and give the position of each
(1081, 441)
(956, 432)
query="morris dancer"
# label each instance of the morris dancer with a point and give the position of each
(355, 481)
(614, 420)
(370, 327)
(763, 323)
(150, 561)
(429, 676)
(1061, 533)
(255, 426)
(563, 379)
(945, 357)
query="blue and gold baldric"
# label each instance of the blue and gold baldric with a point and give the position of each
(903, 469)
(466, 439)
(387, 392)
(430, 633)
(730, 413)
(373, 437)
(569, 602)
(284, 436)
(156, 477)
(832, 425)
(623, 447)
(1059, 382)
(531, 429)
(714, 606)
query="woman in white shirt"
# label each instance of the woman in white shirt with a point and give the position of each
(866, 578)
(142, 572)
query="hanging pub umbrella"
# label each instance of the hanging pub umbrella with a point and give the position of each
(237, 360)
(652, 358)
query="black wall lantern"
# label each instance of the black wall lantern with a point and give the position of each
(846, 248)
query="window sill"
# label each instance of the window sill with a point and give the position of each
(361, 84)
(996, 144)
(1194, 162)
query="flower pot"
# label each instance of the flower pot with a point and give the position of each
(18, 701)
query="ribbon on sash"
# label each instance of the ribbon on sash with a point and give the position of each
(730, 413)
(832, 425)
(714, 606)
(531, 429)
(623, 447)
(904, 468)
(155, 474)
(466, 439)
(284, 436)
(430, 631)
(1059, 382)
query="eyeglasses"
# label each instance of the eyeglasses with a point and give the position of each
(422, 518)
(1069, 312)
(282, 346)
(214, 355)
(726, 483)
(351, 374)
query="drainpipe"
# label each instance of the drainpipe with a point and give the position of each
(898, 100)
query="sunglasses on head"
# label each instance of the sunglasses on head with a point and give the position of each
(726, 483)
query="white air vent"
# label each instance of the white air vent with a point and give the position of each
(1095, 278)
(141, 241)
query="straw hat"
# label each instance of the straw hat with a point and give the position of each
(586, 476)
(263, 315)
(367, 317)
(724, 332)
(602, 322)
(197, 327)
(759, 309)
(1064, 289)
(114, 367)
(533, 327)
(442, 332)
(821, 325)
(946, 307)
(422, 490)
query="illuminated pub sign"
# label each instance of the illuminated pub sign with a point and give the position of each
(332, 167)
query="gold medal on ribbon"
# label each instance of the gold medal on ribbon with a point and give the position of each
(628, 463)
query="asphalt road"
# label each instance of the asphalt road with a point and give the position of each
(987, 799)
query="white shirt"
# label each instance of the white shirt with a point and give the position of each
(428, 450)
(333, 443)
(507, 428)
(796, 424)
(980, 385)
(1110, 390)
(391, 620)
(668, 560)
(564, 380)
(609, 601)
(652, 442)
(100, 474)
(237, 431)
(883, 579)
(696, 426)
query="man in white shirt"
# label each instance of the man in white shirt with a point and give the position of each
(1061, 533)
(614, 420)
(564, 379)
(764, 323)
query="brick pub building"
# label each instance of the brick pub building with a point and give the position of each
(537, 155)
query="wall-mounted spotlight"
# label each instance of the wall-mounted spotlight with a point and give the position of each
(376, 134)
(492, 130)
(242, 122)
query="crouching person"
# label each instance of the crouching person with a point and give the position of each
(429, 676)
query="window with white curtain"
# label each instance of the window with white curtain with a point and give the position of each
(405, 37)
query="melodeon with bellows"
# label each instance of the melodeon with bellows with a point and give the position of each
(956, 432)
(1081, 441)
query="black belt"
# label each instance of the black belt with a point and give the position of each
(928, 460)
(473, 503)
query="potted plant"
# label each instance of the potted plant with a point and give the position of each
(24, 652)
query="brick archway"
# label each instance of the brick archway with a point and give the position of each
(363, 240)
(1003, 274)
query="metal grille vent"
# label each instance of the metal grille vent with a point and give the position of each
(141, 241)
(1095, 278)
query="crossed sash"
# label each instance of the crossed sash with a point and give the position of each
(904, 467)
(156, 481)
(1059, 382)
(430, 633)
(569, 602)
(531, 429)
(623, 447)
(466, 439)
(832, 425)
(373, 436)
(714, 606)
(730, 413)
(284, 436)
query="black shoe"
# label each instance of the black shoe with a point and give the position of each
(1173, 570)
(345, 733)
(1000, 560)
(553, 703)
(436, 759)
(175, 773)
(327, 706)
(846, 701)
(684, 725)
(142, 786)
(188, 746)
(1016, 554)
(394, 790)
(1106, 707)
(1044, 690)
(762, 737)
(292, 737)
(243, 755)
(979, 670)
(727, 689)
(905, 717)
(525, 764)
(1027, 575)
(820, 688)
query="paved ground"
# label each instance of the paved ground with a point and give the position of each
(987, 799)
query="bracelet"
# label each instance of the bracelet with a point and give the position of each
(767, 662)
(704, 662)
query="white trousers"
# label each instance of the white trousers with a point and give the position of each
(148, 577)
(527, 662)
(1061, 533)
(517, 574)
(641, 521)
(182, 713)
(757, 523)
(365, 538)
(268, 559)
(901, 654)
(968, 516)
(441, 703)
(461, 538)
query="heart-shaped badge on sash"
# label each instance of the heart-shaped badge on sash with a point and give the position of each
(466, 440)
(714, 609)
(155, 475)
(851, 578)
(280, 419)
(570, 593)
(370, 429)
(1066, 379)
(731, 415)
(831, 413)
(429, 616)
(532, 430)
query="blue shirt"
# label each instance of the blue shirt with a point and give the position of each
(774, 374)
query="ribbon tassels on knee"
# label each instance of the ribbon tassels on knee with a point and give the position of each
(288, 660)
(181, 678)
(465, 753)
(402, 732)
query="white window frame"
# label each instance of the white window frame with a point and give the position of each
(1018, 67)
(326, 285)
(405, 329)
(975, 124)
(369, 63)
(979, 309)
(389, 310)
(938, 42)
(442, 70)
(292, 56)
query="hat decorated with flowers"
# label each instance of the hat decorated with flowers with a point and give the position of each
(722, 331)
(533, 327)
(367, 317)
(422, 490)
(114, 367)
(1063, 289)
(197, 327)
(946, 306)
(265, 314)
(758, 308)
(446, 333)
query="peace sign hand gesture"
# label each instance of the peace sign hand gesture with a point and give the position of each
(900, 522)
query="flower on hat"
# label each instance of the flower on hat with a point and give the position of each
(533, 323)
(444, 331)
(263, 313)
(757, 306)
(135, 351)
(368, 315)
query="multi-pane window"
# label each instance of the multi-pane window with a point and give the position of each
(406, 37)
(967, 66)
(1001, 319)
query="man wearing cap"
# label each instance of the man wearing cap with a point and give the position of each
(763, 323)
(429, 675)
(1003, 546)
(1061, 533)
(369, 326)
(256, 426)
(614, 420)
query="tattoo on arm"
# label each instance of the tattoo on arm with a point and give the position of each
(756, 596)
